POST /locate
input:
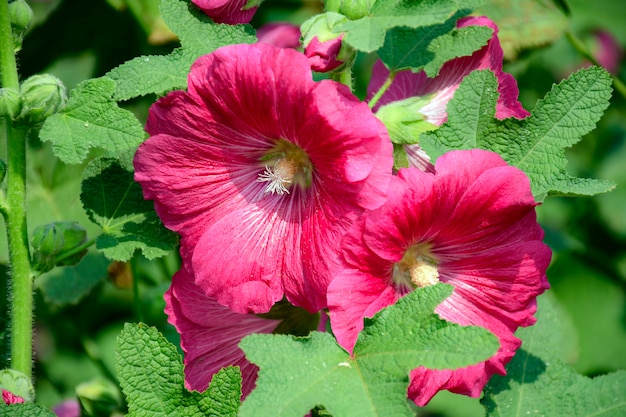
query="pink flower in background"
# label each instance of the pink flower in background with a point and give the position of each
(231, 12)
(68, 408)
(608, 51)
(9, 398)
(281, 34)
(472, 225)
(408, 84)
(210, 333)
(261, 170)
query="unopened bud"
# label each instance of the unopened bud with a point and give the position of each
(42, 95)
(52, 240)
(16, 387)
(324, 48)
(352, 9)
(21, 16)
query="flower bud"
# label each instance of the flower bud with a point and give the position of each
(52, 240)
(9, 102)
(324, 48)
(21, 16)
(98, 397)
(16, 387)
(42, 95)
(352, 9)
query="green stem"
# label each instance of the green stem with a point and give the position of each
(582, 49)
(344, 77)
(19, 256)
(136, 297)
(382, 89)
(8, 66)
(15, 213)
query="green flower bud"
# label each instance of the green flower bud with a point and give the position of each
(352, 9)
(47, 242)
(21, 16)
(42, 95)
(51, 241)
(9, 102)
(18, 384)
(404, 121)
(98, 397)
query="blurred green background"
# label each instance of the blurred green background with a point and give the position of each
(77, 39)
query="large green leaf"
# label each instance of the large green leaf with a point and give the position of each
(535, 144)
(297, 374)
(92, 120)
(539, 383)
(162, 73)
(150, 371)
(115, 202)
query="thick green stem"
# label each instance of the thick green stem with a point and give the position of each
(19, 257)
(15, 214)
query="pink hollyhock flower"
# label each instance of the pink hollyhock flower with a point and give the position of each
(261, 170)
(9, 398)
(472, 225)
(231, 12)
(283, 35)
(608, 51)
(407, 84)
(210, 333)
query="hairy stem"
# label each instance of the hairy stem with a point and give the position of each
(21, 287)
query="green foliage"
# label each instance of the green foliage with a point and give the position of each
(24, 410)
(297, 374)
(162, 73)
(367, 34)
(68, 284)
(91, 119)
(431, 46)
(538, 382)
(150, 371)
(524, 24)
(115, 202)
(535, 144)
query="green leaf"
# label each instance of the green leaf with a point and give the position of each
(538, 383)
(198, 36)
(368, 33)
(24, 410)
(297, 374)
(431, 46)
(526, 23)
(68, 284)
(150, 371)
(115, 202)
(92, 120)
(535, 144)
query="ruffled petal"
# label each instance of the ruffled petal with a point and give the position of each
(210, 333)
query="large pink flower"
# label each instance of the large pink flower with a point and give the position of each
(407, 84)
(261, 170)
(472, 225)
(226, 11)
(210, 333)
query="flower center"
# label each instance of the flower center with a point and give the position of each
(285, 164)
(418, 268)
